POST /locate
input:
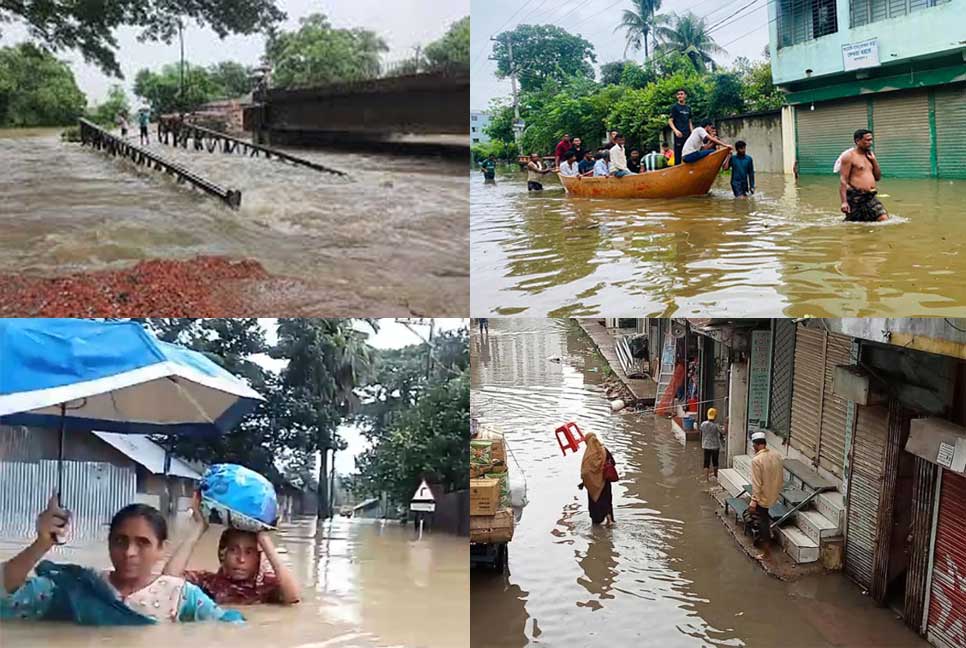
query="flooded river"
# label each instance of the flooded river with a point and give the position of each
(394, 235)
(784, 251)
(669, 573)
(364, 585)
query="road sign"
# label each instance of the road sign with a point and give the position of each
(426, 507)
(423, 494)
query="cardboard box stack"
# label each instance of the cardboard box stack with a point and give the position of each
(491, 519)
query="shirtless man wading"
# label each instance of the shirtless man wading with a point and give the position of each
(859, 173)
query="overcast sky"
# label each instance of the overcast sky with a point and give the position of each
(595, 21)
(391, 335)
(402, 23)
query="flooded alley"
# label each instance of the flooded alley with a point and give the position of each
(668, 572)
(369, 240)
(364, 583)
(784, 251)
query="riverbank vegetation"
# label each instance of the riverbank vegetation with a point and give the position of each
(561, 93)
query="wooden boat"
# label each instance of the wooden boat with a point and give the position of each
(673, 182)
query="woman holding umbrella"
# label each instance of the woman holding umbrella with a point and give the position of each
(130, 594)
(597, 471)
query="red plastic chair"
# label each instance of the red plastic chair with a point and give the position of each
(569, 436)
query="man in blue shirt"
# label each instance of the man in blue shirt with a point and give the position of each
(742, 171)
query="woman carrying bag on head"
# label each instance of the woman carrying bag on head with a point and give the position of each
(597, 472)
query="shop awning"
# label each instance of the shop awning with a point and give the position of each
(938, 441)
(147, 453)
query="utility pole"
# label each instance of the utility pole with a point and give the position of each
(181, 83)
(517, 126)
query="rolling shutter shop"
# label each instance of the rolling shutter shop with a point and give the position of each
(783, 362)
(823, 133)
(951, 131)
(903, 144)
(818, 417)
(865, 492)
(947, 599)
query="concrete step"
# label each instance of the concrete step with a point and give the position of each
(815, 525)
(732, 481)
(831, 505)
(796, 544)
(742, 463)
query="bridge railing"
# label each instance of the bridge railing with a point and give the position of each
(97, 138)
(179, 133)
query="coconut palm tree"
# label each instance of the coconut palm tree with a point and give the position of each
(687, 34)
(639, 23)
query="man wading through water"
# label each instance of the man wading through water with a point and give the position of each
(859, 173)
(711, 443)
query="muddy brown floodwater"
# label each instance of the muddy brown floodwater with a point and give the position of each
(785, 251)
(669, 573)
(365, 584)
(392, 237)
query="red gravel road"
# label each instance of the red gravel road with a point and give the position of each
(201, 287)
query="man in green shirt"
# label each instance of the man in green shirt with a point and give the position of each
(488, 167)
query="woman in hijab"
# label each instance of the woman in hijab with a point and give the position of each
(242, 578)
(593, 467)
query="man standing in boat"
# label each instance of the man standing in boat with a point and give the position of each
(858, 174)
(680, 123)
(563, 146)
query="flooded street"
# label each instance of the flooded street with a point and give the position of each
(364, 584)
(393, 234)
(784, 251)
(669, 572)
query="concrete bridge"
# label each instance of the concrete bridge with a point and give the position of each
(365, 113)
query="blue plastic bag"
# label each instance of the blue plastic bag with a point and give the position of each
(237, 497)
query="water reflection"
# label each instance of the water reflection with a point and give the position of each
(783, 251)
(364, 584)
(669, 573)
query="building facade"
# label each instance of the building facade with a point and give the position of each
(878, 408)
(896, 67)
(479, 120)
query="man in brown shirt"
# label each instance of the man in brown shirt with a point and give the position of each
(767, 478)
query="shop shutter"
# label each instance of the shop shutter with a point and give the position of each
(831, 454)
(951, 131)
(783, 363)
(809, 382)
(823, 133)
(865, 488)
(923, 501)
(900, 121)
(947, 598)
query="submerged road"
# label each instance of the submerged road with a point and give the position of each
(668, 573)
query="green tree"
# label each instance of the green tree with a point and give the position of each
(580, 108)
(89, 27)
(106, 113)
(726, 95)
(36, 89)
(162, 90)
(318, 54)
(611, 73)
(758, 90)
(637, 76)
(542, 53)
(417, 422)
(638, 23)
(506, 151)
(688, 34)
(231, 79)
(327, 360)
(500, 126)
(452, 51)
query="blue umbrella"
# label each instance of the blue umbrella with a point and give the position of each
(112, 377)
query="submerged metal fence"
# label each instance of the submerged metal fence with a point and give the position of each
(93, 491)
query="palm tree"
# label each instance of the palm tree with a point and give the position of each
(687, 34)
(639, 23)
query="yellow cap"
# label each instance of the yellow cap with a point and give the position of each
(712, 414)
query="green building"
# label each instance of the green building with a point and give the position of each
(897, 67)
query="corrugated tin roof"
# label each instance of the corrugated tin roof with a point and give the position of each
(147, 453)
